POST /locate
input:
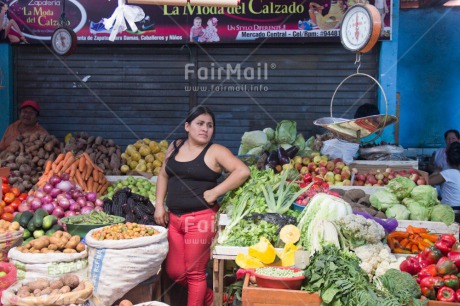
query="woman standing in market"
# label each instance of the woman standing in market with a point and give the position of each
(188, 182)
(449, 179)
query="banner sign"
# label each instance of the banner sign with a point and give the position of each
(253, 21)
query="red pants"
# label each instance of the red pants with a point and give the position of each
(190, 237)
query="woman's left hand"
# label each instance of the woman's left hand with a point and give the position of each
(210, 197)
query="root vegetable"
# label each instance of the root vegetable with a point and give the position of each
(46, 291)
(70, 280)
(57, 284)
(80, 247)
(40, 283)
(80, 286)
(65, 289)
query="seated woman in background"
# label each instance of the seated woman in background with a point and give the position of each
(440, 162)
(449, 179)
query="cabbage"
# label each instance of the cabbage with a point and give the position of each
(310, 143)
(321, 207)
(299, 141)
(425, 195)
(443, 213)
(255, 151)
(243, 149)
(254, 139)
(401, 187)
(418, 211)
(398, 211)
(286, 131)
(383, 199)
(270, 133)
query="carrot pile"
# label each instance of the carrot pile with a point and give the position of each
(412, 241)
(81, 170)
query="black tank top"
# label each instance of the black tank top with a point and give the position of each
(187, 183)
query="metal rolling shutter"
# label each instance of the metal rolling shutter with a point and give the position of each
(141, 91)
(130, 92)
(300, 87)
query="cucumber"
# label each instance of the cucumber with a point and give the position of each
(28, 240)
(38, 217)
(38, 233)
(25, 218)
(26, 234)
(49, 221)
(54, 229)
(30, 226)
(17, 217)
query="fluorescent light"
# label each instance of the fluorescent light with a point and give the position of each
(452, 3)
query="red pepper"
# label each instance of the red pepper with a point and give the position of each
(4, 180)
(430, 254)
(446, 266)
(446, 294)
(307, 178)
(445, 243)
(455, 257)
(410, 265)
(428, 271)
(457, 295)
(451, 281)
(429, 293)
(432, 282)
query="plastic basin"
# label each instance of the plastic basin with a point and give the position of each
(298, 207)
(292, 283)
(82, 229)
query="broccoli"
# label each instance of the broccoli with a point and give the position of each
(392, 282)
(355, 231)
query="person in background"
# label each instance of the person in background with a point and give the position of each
(439, 158)
(6, 25)
(449, 179)
(188, 183)
(26, 125)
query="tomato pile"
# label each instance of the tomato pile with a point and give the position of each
(11, 198)
(319, 186)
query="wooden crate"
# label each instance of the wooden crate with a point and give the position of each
(257, 296)
(366, 165)
(432, 227)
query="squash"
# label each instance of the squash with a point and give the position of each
(248, 262)
(290, 234)
(287, 255)
(263, 251)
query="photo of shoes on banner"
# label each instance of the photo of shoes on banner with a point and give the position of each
(117, 22)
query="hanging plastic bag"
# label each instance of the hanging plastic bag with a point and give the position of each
(336, 148)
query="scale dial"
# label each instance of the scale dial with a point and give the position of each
(64, 41)
(360, 28)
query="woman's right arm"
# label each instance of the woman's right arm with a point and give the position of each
(161, 217)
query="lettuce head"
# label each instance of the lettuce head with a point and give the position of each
(418, 211)
(383, 199)
(425, 195)
(443, 213)
(398, 211)
(401, 187)
(286, 131)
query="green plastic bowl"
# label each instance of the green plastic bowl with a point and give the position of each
(82, 229)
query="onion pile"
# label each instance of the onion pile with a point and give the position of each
(62, 198)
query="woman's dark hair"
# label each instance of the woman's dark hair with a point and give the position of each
(453, 155)
(366, 109)
(451, 131)
(192, 114)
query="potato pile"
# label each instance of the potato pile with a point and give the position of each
(59, 242)
(26, 158)
(144, 156)
(103, 152)
(42, 286)
(6, 226)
